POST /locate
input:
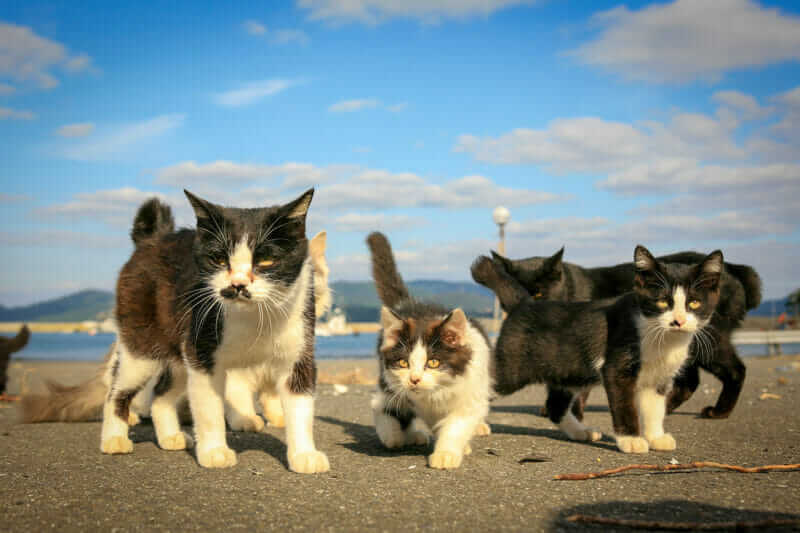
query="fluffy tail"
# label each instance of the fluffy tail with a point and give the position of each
(491, 275)
(10, 346)
(152, 219)
(388, 283)
(79, 403)
(750, 280)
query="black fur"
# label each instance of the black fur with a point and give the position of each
(7, 347)
(740, 288)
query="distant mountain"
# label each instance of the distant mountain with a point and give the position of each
(360, 302)
(83, 305)
(768, 307)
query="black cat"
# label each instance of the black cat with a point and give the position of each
(634, 344)
(550, 278)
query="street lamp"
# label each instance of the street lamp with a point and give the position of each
(501, 216)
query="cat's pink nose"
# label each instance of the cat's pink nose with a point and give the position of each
(414, 379)
(678, 322)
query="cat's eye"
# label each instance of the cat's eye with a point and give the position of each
(221, 261)
(433, 363)
(694, 304)
(266, 263)
(538, 294)
(662, 304)
(402, 363)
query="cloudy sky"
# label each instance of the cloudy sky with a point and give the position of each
(600, 125)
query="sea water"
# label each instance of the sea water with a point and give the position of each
(83, 347)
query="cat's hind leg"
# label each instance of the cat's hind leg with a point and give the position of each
(239, 394)
(128, 377)
(270, 403)
(559, 408)
(169, 389)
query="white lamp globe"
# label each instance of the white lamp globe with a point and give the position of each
(500, 215)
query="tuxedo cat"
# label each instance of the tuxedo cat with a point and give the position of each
(634, 344)
(237, 292)
(549, 278)
(434, 369)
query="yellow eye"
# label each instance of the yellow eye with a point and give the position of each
(694, 304)
(266, 263)
(221, 261)
(538, 294)
(433, 363)
(402, 363)
(662, 304)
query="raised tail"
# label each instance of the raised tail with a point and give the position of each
(152, 219)
(492, 275)
(750, 280)
(388, 283)
(10, 346)
(79, 403)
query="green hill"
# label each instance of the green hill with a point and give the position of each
(83, 305)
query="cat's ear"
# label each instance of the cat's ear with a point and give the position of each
(317, 246)
(203, 209)
(454, 328)
(299, 207)
(392, 325)
(645, 265)
(709, 270)
(502, 261)
(553, 263)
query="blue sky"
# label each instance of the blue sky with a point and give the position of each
(600, 125)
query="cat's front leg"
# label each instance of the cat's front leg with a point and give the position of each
(452, 441)
(652, 406)
(302, 455)
(239, 394)
(620, 391)
(206, 392)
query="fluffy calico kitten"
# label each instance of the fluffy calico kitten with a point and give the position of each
(634, 344)
(237, 292)
(549, 278)
(84, 402)
(242, 384)
(434, 369)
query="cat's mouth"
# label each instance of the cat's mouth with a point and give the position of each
(236, 293)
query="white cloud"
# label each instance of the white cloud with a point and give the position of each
(75, 130)
(349, 106)
(364, 222)
(276, 36)
(252, 92)
(27, 57)
(687, 40)
(6, 89)
(253, 27)
(427, 11)
(124, 139)
(112, 206)
(295, 175)
(16, 114)
(742, 103)
(61, 238)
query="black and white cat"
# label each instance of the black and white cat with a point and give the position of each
(434, 369)
(551, 278)
(634, 344)
(237, 292)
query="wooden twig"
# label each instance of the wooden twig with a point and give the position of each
(9, 398)
(684, 466)
(682, 526)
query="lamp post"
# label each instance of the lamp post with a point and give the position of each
(501, 216)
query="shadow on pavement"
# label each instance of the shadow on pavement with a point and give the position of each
(667, 511)
(367, 442)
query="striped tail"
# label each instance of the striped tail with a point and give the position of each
(490, 274)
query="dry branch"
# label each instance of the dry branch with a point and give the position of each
(684, 466)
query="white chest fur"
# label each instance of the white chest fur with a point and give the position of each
(662, 357)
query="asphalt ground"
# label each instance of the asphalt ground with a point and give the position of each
(53, 476)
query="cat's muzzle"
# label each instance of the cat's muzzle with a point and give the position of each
(235, 291)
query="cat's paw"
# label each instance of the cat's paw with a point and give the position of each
(221, 457)
(631, 444)
(585, 435)
(116, 445)
(312, 462)
(709, 412)
(417, 438)
(483, 429)
(178, 441)
(133, 418)
(663, 443)
(390, 432)
(276, 420)
(445, 459)
(246, 423)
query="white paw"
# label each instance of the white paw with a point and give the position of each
(276, 420)
(483, 429)
(632, 444)
(663, 443)
(221, 457)
(584, 435)
(178, 441)
(133, 418)
(246, 423)
(116, 445)
(309, 462)
(445, 460)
